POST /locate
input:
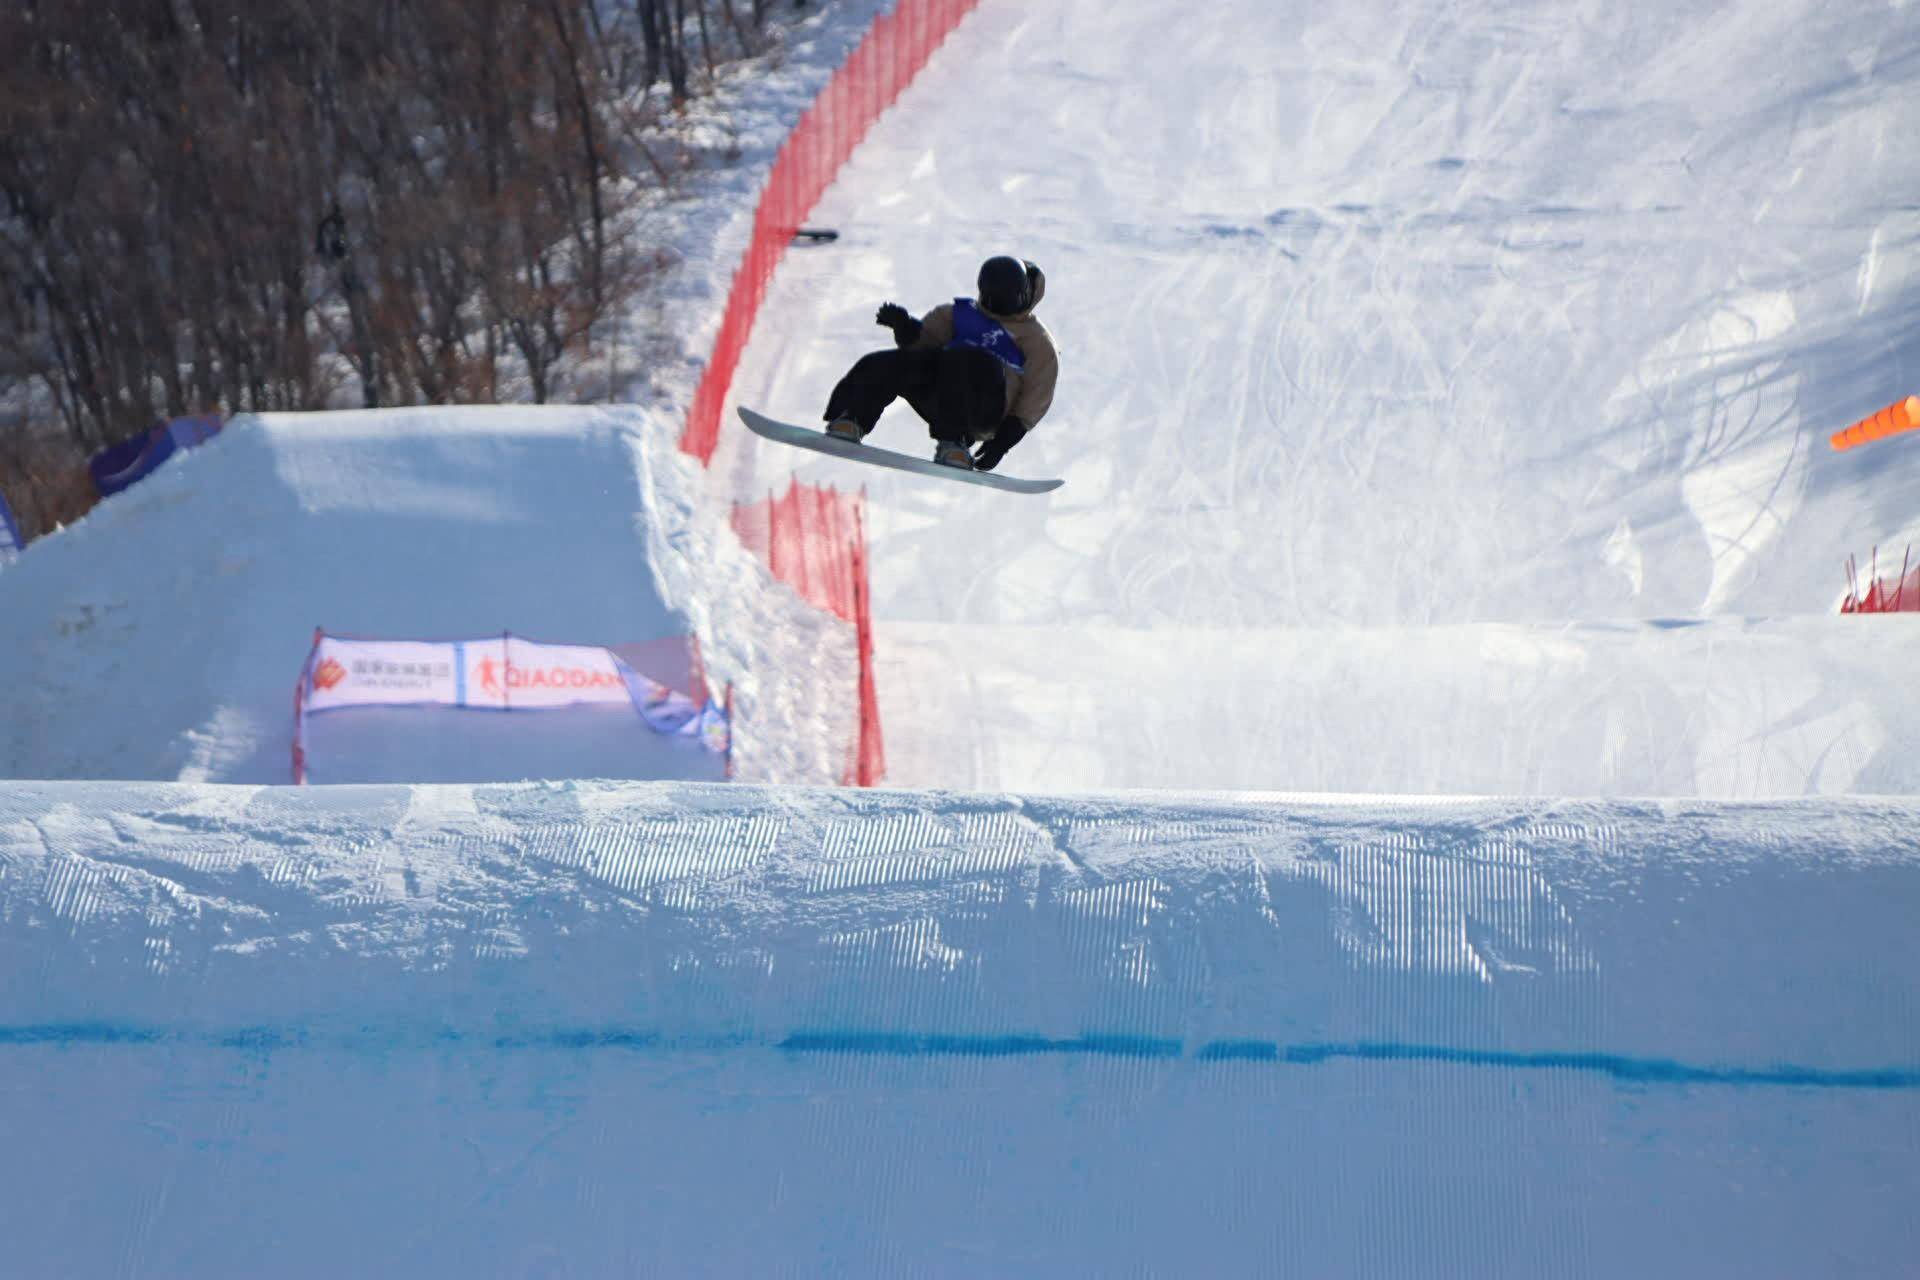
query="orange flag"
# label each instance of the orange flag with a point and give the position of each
(1902, 415)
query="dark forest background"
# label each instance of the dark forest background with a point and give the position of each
(227, 206)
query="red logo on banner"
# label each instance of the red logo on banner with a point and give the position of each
(489, 673)
(328, 674)
(559, 678)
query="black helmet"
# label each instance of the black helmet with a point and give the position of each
(1010, 286)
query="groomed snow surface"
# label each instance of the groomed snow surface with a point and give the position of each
(1443, 417)
(660, 1028)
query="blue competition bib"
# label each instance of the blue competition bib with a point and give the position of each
(973, 327)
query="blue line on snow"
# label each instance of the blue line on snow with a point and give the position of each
(937, 1046)
(1647, 1070)
(901, 1045)
(63, 1033)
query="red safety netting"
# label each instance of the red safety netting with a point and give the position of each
(894, 50)
(1899, 594)
(815, 540)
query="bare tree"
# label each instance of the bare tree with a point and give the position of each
(222, 205)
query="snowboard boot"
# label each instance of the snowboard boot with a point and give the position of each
(949, 454)
(845, 429)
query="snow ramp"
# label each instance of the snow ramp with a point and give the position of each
(161, 637)
(591, 1029)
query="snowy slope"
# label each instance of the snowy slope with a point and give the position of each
(598, 1029)
(1395, 317)
(1726, 709)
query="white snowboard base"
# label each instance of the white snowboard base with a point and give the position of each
(821, 442)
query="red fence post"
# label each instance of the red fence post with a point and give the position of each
(872, 765)
(300, 711)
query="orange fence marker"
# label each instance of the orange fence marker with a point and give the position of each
(1902, 415)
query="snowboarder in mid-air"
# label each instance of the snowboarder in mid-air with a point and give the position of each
(980, 370)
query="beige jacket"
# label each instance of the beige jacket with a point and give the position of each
(1029, 393)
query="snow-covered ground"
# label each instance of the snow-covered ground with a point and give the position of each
(1724, 708)
(1443, 414)
(1380, 318)
(593, 1029)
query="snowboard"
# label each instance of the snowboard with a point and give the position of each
(821, 442)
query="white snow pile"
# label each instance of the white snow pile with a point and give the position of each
(162, 636)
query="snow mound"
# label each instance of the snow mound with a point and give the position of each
(161, 637)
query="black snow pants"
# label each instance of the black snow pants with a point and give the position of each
(961, 392)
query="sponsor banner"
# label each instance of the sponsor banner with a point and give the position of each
(361, 673)
(501, 673)
(120, 466)
(511, 672)
(716, 732)
(11, 542)
(192, 432)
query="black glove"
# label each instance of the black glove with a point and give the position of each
(891, 315)
(1010, 433)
